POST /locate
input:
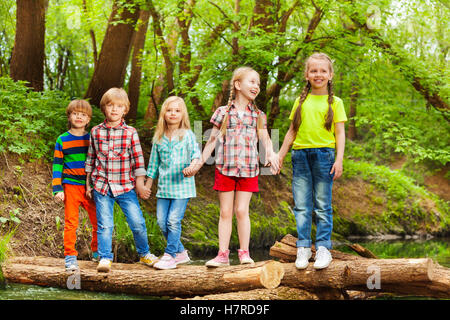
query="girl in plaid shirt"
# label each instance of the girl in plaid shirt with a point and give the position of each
(174, 151)
(237, 128)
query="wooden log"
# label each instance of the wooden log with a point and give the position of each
(280, 293)
(186, 280)
(414, 277)
(363, 252)
(288, 253)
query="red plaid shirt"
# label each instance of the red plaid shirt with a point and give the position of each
(115, 158)
(237, 151)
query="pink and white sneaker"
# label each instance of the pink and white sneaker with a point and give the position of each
(166, 262)
(182, 257)
(221, 260)
(244, 257)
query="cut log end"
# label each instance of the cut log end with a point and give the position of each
(271, 274)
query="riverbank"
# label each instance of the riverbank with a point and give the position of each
(368, 200)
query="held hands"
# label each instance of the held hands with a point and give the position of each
(274, 162)
(192, 170)
(145, 192)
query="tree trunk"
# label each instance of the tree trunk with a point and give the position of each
(134, 83)
(27, 61)
(351, 133)
(115, 51)
(139, 279)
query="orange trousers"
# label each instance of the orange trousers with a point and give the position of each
(74, 197)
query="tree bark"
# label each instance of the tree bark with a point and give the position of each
(115, 52)
(134, 83)
(351, 133)
(27, 61)
(138, 279)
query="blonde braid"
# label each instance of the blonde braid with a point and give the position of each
(298, 113)
(223, 127)
(330, 113)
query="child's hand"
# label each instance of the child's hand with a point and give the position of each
(142, 191)
(60, 196)
(274, 163)
(337, 169)
(191, 170)
(89, 192)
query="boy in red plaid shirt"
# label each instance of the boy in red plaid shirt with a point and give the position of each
(115, 166)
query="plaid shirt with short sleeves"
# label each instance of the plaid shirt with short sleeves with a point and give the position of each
(115, 158)
(237, 152)
(167, 161)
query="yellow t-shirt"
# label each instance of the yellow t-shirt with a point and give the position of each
(312, 133)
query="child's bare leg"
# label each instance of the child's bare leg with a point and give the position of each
(226, 200)
(241, 208)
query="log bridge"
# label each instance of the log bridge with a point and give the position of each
(262, 280)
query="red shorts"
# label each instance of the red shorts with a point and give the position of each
(227, 183)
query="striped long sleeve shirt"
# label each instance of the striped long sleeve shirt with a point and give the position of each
(69, 161)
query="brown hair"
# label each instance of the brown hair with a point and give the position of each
(238, 75)
(115, 94)
(78, 105)
(296, 122)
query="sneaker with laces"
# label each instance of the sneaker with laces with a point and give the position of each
(244, 257)
(104, 265)
(323, 258)
(303, 255)
(165, 262)
(182, 257)
(221, 260)
(149, 259)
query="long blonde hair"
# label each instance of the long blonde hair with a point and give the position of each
(330, 114)
(161, 126)
(238, 75)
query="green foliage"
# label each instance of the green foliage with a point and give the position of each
(31, 121)
(5, 250)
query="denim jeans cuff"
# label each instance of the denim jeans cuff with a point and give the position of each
(326, 244)
(304, 243)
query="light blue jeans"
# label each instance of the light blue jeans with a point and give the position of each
(169, 213)
(311, 188)
(129, 204)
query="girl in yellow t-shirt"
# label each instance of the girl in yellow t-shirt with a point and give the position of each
(317, 137)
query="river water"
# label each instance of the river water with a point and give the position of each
(437, 249)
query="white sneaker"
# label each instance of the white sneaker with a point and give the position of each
(303, 255)
(323, 258)
(104, 265)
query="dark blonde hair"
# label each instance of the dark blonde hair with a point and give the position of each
(78, 105)
(330, 114)
(115, 94)
(238, 75)
(161, 126)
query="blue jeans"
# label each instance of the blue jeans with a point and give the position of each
(169, 213)
(129, 204)
(311, 188)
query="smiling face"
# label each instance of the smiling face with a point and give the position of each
(248, 85)
(318, 73)
(78, 119)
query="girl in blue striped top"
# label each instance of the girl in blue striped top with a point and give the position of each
(174, 153)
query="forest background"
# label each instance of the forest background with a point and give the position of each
(391, 69)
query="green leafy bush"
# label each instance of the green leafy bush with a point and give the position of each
(31, 121)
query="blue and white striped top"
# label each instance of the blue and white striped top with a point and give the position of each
(167, 161)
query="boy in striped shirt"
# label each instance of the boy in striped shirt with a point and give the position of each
(69, 178)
